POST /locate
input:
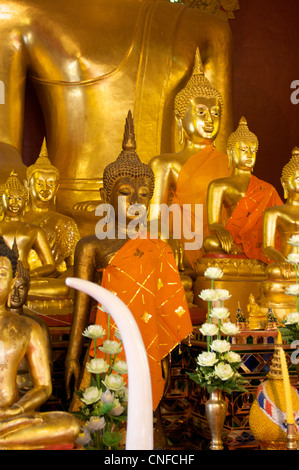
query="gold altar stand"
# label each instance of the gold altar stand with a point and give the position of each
(241, 277)
(183, 407)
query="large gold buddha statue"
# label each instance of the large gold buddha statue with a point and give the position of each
(21, 426)
(281, 223)
(141, 270)
(235, 206)
(16, 230)
(182, 177)
(136, 53)
(61, 231)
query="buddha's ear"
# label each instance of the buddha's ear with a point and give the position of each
(179, 124)
(103, 194)
(230, 158)
(285, 191)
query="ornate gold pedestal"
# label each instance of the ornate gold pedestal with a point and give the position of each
(273, 295)
(241, 277)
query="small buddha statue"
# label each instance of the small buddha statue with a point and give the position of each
(16, 230)
(61, 231)
(243, 197)
(17, 303)
(257, 320)
(141, 270)
(183, 177)
(21, 426)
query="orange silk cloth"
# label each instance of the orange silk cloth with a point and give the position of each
(246, 222)
(144, 276)
(192, 187)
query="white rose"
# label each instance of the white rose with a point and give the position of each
(229, 329)
(223, 294)
(97, 366)
(293, 258)
(94, 331)
(233, 357)
(220, 313)
(220, 345)
(292, 318)
(91, 395)
(111, 347)
(209, 295)
(208, 329)
(207, 359)
(213, 273)
(120, 367)
(294, 240)
(114, 382)
(293, 289)
(223, 371)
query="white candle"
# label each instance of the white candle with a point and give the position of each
(140, 412)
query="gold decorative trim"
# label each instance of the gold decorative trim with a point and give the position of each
(222, 8)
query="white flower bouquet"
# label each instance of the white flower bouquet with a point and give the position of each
(104, 403)
(217, 368)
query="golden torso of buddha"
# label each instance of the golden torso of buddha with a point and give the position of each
(89, 56)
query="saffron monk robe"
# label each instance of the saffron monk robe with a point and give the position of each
(143, 274)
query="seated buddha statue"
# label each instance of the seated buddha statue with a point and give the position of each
(139, 269)
(61, 231)
(281, 222)
(243, 197)
(28, 237)
(235, 208)
(182, 177)
(118, 57)
(21, 425)
(17, 303)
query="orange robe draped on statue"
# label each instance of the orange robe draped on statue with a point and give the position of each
(143, 274)
(192, 187)
(246, 222)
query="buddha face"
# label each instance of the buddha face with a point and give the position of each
(201, 122)
(19, 293)
(292, 184)
(128, 191)
(14, 201)
(244, 155)
(6, 279)
(43, 185)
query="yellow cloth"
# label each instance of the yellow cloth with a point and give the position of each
(246, 222)
(192, 186)
(144, 275)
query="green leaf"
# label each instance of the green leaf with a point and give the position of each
(103, 409)
(111, 439)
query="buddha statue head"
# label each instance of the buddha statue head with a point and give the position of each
(42, 179)
(21, 287)
(14, 196)
(242, 146)
(290, 175)
(127, 181)
(198, 108)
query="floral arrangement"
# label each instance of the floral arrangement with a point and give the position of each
(104, 402)
(290, 330)
(217, 368)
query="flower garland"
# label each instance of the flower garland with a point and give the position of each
(217, 367)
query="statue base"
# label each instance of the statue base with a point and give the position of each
(273, 295)
(241, 277)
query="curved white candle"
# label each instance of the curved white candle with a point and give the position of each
(140, 411)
